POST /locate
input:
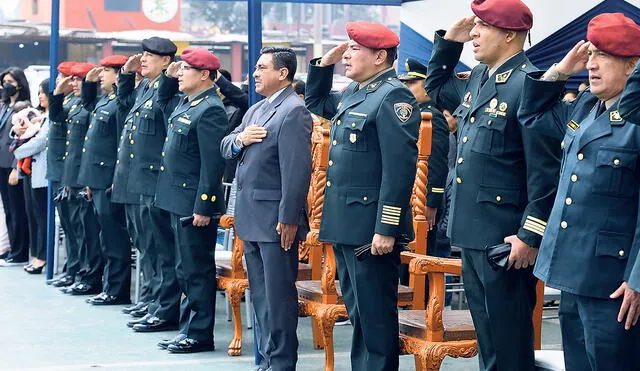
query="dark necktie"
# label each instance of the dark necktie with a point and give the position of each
(485, 77)
(601, 108)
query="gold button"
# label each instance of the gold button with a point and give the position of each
(460, 160)
(137, 113)
(133, 127)
(213, 198)
(580, 156)
(151, 167)
(94, 115)
(86, 138)
(564, 224)
(63, 157)
(459, 180)
(131, 141)
(84, 150)
(184, 184)
(472, 120)
(67, 142)
(330, 162)
(66, 153)
(465, 139)
(179, 130)
(489, 122)
(365, 198)
(574, 178)
(101, 163)
(117, 161)
(162, 153)
(121, 137)
(621, 252)
(339, 122)
(166, 139)
(568, 201)
(616, 162)
(161, 168)
(204, 197)
(131, 155)
(68, 131)
(353, 125)
(90, 126)
(335, 142)
(498, 198)
(328, 183)
(101, 118)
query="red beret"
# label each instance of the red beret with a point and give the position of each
(372, 35)
(200, 58)
(507, 14)
(81, 69)
(65, 68)
(115, 61)
(615, 34)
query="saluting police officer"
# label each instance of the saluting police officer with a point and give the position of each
(590, 248)
(505, 177)
(96, 172)
(437, 165)
(83, 218)
(148, 132)
(56, 148)
(190, 186)
(372, 166)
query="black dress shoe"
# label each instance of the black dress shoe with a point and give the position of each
(139, 320)
(69, 289)
(188, 345)
(64, 281)
(164, 344)
(33, 269)
(105, 299)
(155, 324)
(138, 305)
(84, 289)
(140, 312)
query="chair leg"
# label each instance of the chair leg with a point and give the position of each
(327, 317)
(234, 295)
(316, 332)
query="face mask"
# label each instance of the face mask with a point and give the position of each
(9, 89)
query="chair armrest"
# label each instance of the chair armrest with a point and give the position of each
(422, 264)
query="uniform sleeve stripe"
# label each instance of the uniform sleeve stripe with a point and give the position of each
(390, 220)
(391, 208)
(535, 225)
(534, 228)
(437, 190)
(390, 217)
(391, 213)
(536, 220)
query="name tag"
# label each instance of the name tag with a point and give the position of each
(573, 125)
(184, 121)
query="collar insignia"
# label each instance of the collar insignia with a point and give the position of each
(614, 116)
(503, 77)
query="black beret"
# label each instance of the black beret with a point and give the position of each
(159, 46)
(415, 71)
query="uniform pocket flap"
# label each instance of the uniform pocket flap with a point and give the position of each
(363, 196)
(499, 196)
(102, 115)
(493, 123)
(617, 158)
(267, 194)
(613, 244)
(355, 122)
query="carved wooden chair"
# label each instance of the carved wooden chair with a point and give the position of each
(322, 299)
(432, 334)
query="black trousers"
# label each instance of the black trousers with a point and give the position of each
(87, 233)
(16, 217)
(272, 276)
(196, 272)
(115, 245)
(71, 240)
(132, 218)
(166, 303)
(36, 205)
(147, 248)
(501, 304)
(593, 339)
(370, 292)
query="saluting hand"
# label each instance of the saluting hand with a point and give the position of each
(630, 307)
(287, 234)
(63, 86)
(172, 70)
(381, 244)
(334, 55)
(133, 63)
(94, 74)
(522, 255)
(576, 60)
(252, 134)
(461, 30)
(201, 220)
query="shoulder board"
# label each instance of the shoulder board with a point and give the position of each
(196, 102)
(503, 77)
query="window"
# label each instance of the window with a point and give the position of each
(122, 5)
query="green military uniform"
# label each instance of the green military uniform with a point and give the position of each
(190, 182)
(56, 147)
(83, 218)
(505, 182)
(96, 172)
(372, 165)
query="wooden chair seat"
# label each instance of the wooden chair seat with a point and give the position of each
(312, 291)
(223, 269)
(458, 324)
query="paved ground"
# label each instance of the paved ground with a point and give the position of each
(43, 329)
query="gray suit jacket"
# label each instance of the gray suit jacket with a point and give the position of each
(273, 175)
(35, 147)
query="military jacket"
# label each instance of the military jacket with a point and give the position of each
(437, 165)
(592, 239)
(505, 177)
(148, 133)
(77, 123)
(56, 139)
(372, 156)
(190, 180)
(629, 104)
(101, 142)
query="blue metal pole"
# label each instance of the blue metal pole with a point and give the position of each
(255, 44)
(53, 64)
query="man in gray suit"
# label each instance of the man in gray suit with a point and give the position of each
(273, 145)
